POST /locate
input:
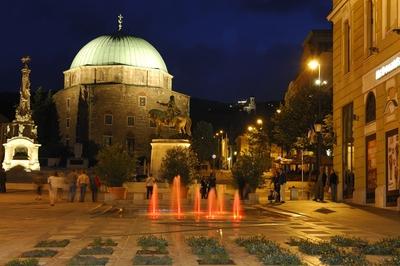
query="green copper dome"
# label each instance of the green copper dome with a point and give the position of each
(119, 50)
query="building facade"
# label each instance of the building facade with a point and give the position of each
(366, 80)
(108, 91)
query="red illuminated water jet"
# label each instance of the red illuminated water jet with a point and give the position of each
(176, 196)
(221, 199)
(153, 204)
(212, 202)
(236, 207)
(197, 200)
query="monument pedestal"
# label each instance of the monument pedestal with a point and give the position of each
(159, 148)
(21, 151)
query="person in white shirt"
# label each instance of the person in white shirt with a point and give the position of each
(51, 180)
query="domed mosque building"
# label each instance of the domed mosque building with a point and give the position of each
(112, 83)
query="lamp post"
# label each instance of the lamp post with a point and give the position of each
(313, 65)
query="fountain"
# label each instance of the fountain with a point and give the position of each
(176, 196)
(197, 200)
(236, 207)
(221, 199)
(212, 202)
(153, 204)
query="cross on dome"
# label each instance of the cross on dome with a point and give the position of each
(120, 17)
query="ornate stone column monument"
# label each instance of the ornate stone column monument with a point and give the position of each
(21, 148)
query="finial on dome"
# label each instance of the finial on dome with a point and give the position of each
(120, 17)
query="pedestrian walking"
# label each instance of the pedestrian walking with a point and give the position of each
(38, 181)
(52, 181)
(333, 182)
(282, 185)
(72, 179)
(94, 186)
(3, 180)
(83, 182)
(149, 186)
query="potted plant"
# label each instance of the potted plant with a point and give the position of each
(115, 166)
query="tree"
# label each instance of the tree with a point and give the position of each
(248, 170)
(303, 107)
(114, 165)
(46, 118)
(180, 161)
(203, 143)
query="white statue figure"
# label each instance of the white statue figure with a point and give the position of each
(20, 129)
(8, 129)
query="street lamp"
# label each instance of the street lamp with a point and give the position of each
(213, 157)
(250, 128)
(278, 111)
(259, 121)
(318, 129)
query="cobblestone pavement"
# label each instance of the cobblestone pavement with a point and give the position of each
(24, 222)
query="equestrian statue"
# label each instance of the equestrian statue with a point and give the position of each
(172, 118)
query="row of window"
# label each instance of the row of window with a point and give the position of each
(142, 102)
(108, 140)
(108, 121)
(390, 21)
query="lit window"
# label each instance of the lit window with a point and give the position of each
(142, 101)
(67, 123)
(108, 119)
(107, 140)
(131, 121)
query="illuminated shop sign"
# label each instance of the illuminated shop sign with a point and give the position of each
(386, 69)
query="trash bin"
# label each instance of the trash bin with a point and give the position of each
(294, 193)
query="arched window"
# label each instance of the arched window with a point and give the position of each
(370, 108)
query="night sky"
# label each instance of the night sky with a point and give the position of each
(215, 49)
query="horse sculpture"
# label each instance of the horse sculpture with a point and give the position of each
(182, 124)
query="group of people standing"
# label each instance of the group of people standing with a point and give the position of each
(279, 182)
(74, 180)
(206, 184)
(324, 183)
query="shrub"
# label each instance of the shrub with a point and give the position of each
(152, 260)
(114, 165)
(87, 261)
(311, 248)
(338, 257)
(209, 250)
(343, 241)
(160, 244)
(96, 250)
(39, 253)
(386, 246)
(27, 262)
(179, 161)
(269, 252)
(53, 243)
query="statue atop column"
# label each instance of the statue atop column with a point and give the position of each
(23, 112)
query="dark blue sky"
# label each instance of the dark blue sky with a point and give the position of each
(215, 49)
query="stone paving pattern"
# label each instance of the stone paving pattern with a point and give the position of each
(24, 222)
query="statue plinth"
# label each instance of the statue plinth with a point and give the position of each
(159, 148)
